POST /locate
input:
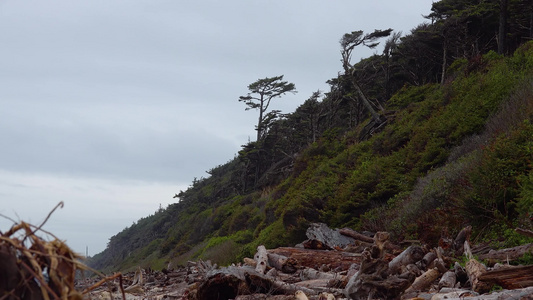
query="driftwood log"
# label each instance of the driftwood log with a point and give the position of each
(227, 283)
(282, 263)
(460, 239)
(422, 282)
(261, 259)
(264, 297)
(410, 255)
(337, 260)
(448, 279)
(374, 278)
(368, 241)
(525, 293)
(371, 282)
(261, 283)
(356, 235)
(320, 236)
(427, 259)
(509, 277)
(474, 269)
(508, 253)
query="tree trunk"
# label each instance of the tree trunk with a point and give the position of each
(444, 62)
(260, 121)
(366, 102)
(262, 259)
(502, 30)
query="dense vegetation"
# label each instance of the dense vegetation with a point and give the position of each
(450, 143)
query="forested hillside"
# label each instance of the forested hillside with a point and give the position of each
(434, 133)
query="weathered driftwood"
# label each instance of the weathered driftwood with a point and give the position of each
(221, 286)
(508, 254)
(282, 263)
(423, 281)
(315, 258)
(136, 286)
(448, 279)
(412, 269)
(366, 241)
(474, 269)
(440, 264)
(314, 283)
(310, 274)
(510, 277)
(462, 237)
(264, 297)
(381, 240)
(368, 286)
(373, 280)
(357, 246)
(481, 248)
(261, 258)
(460, 273)
(326, 238)
(453, 293)
(227, 283)
(356, 235)
(409, 256)
(260, 283)
(314, 244)
(427, 259)
(525, 293)
(250, 262)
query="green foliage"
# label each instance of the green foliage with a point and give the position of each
(526, 259)
(224, 250)
(411, 94)
(503, 235)
(525, 201)
(495, 182)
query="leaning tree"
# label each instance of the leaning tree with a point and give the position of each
(348, 43)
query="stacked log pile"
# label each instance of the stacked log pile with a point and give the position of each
(344, 264)
(331, 264)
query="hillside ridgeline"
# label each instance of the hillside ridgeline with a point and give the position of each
(452, 146)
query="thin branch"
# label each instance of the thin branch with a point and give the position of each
(45, 220)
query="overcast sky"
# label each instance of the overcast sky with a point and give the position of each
(112, 106)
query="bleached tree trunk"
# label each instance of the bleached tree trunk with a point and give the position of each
(261, 258)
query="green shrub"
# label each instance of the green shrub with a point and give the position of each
(495, 182)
